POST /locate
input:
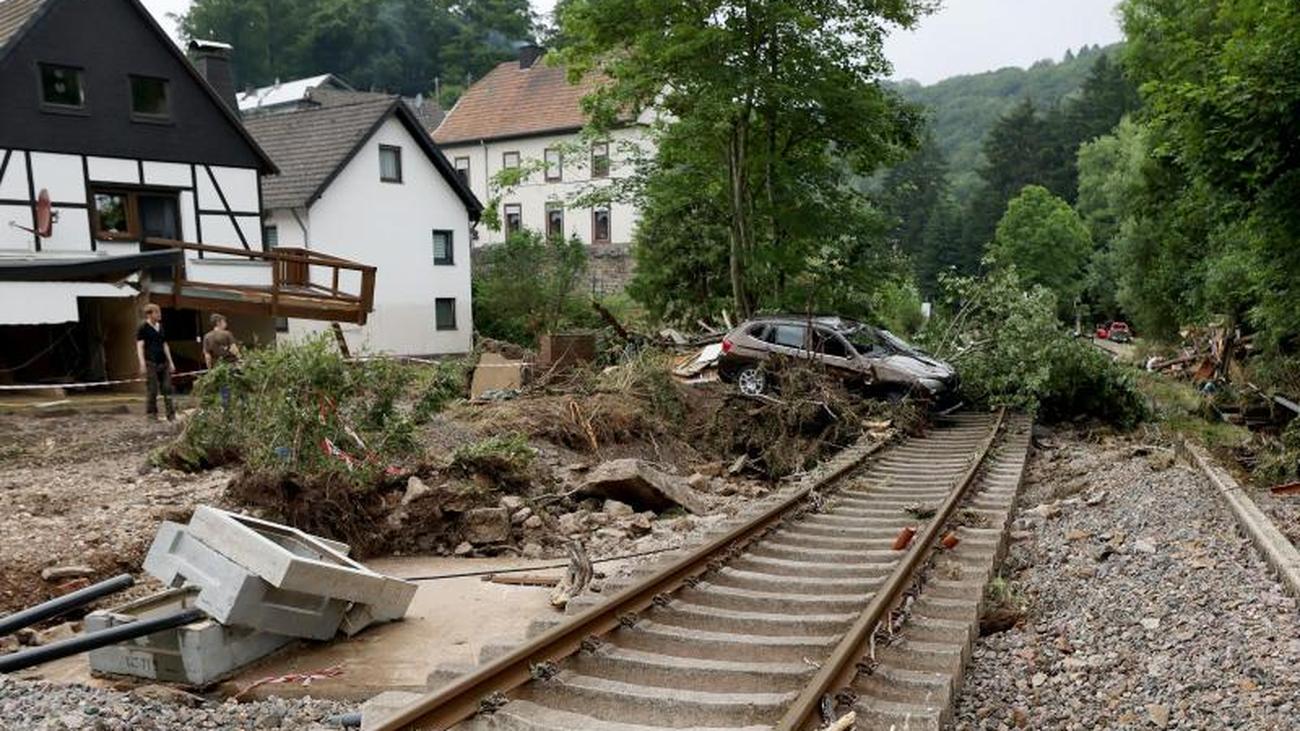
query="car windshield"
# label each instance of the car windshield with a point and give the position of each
(870, 340)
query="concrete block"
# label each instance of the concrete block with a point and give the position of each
(196, 654)
(292, 560)
(233, 595)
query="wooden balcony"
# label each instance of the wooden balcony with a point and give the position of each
(282, 282)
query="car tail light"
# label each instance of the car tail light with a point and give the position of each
(726, 345)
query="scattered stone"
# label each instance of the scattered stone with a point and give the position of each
(1150, 623)
(464, 548)
(512, 502)
(9, 644)
(532, 549)
(616, 508)
(533, 522)
(642, 486)
(711, 469)
(1159, 714)
(486, 525)
(167, 694)
(415, 489)
(571, 523)
(697, 481)
(1077, 535)
(58, 632)
(639, 525)
(1142, 545)
(63, 573)
(1161, 461)
(28, 637)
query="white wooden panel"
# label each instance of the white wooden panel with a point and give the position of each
(60, 175)
(208, 198)
(239, 186)
(14, 184)
(167, 173)
(117, 248)
(252, 228)
(71, 232)
(114, 170)
(13, 238)
(217, 270)
(189, 229)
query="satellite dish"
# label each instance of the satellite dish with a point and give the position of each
(44, 215)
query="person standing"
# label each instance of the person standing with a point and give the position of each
(219, 346)
(155, 362)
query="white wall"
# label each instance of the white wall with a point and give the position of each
(485, 161)
(390, 226)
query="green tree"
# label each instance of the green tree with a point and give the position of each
(1042, 237)
(912, 191)
(528, 286)
(779, 100)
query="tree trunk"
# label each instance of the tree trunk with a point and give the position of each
(739, 195)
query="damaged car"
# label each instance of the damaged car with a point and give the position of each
(864, 356)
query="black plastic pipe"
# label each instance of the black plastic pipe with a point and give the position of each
(84, 643)
(65, 603)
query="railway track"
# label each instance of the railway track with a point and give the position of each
(798, 614)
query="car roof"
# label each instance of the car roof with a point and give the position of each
(830, 322)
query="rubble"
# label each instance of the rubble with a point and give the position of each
(486, 525)
(638, 484)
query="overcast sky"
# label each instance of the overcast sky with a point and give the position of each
(966, 36)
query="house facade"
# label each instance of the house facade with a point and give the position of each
(361, 179)
(526, 114)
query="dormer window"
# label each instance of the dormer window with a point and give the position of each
(62, 87)
(149, 99)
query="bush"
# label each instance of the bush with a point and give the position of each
(438, 386)
(504, 459)
(1011, 350)
(300, 409)
(531, 285)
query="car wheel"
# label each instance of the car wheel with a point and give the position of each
(751, 381)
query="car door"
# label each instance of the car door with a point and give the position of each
(789, 340)
(834, 352)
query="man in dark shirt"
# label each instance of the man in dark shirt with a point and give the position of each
(155, 362)
(219, 346)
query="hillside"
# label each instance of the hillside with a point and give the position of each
(964, 108)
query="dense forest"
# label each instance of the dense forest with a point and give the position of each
(962, 109)
(402, 46)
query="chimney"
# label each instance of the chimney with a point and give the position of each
(212, 59)
(528, 55)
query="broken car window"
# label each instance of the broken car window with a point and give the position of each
(790, 336)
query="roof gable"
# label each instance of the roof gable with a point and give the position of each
(72, 32)
(313, 145)
(516, 102)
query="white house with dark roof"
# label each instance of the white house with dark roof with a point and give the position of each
(361, 178)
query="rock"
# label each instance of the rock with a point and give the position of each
(1142, 545)
(1077, 535)
(532, 549)
(512, 502)
(9, 644)
(636, 483)
(697, 481)
(63, 573)
(415, 489)
(1039, 680)
(616, 508)
(486, 525)
(612, 534)
(571, 523)
(1150, 623)
(533, 523)
(521, 515)
(1159, 714)
(579, 467)
(28, 637)
(59, 632)
(1044, 511)
(167, 694)
(464, 548)
(1161, 461)
(638, 525)
(711, 469)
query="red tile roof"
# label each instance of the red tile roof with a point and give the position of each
(515, 102)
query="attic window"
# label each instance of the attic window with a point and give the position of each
(149, 98)
(390, 164)
(62, 87)
(600, 160)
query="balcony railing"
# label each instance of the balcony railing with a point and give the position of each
(290, 282)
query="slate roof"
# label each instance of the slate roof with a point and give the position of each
(515, 102)
(313, 144)
(14, 14)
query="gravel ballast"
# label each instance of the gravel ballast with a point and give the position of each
(1145, 606)
(40, 706)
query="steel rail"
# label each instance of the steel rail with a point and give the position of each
(841, 667)
(446, 707)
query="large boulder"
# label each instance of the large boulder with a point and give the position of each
(487, 525)
(640, 485)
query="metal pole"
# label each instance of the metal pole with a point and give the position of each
(65, 603)
(103, 638)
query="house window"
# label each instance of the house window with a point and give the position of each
(600, 226)
(442, 251)
(114, 216)
(554, 221)
(509, 160)
(149, 98)
(554, 165)
(62, 86)
(390, 164)
(600, 160)
(270, 236)
(514, 219)
(444, 313)
(462, 169)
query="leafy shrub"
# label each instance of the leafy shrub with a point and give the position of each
(504, 458)
(300, 409)
(530, 285)
(1011, 350)
(438, 386)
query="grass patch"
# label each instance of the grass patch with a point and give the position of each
(1180, 409)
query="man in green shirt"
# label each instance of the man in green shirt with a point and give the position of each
(219, 346)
